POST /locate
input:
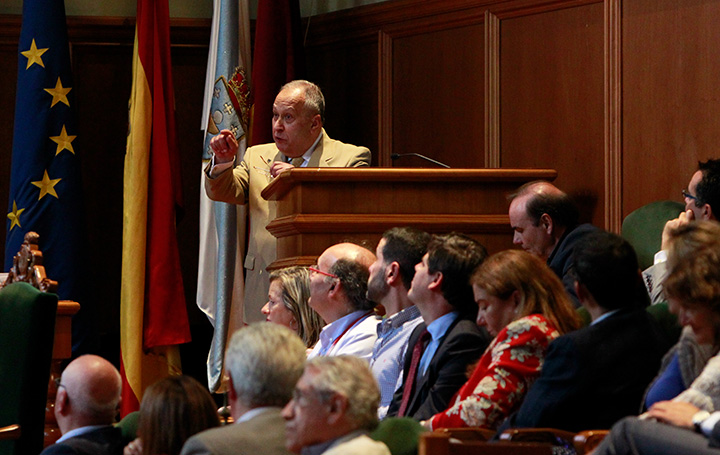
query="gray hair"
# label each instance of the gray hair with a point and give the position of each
(353, 276)
(314, 98)
(350, 377)
(295, 284)
(265, 361)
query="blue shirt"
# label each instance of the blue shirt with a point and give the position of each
(389, 351)
(438, 328)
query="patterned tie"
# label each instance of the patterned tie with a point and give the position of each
(412, 372)
(297, 162)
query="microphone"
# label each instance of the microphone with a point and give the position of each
(395, 156)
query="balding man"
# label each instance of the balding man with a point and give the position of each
(338, 292)
(545, 223)
(85, 407)
(300, 141)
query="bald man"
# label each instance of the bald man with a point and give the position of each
(545, 223)
(85, 407)
(338, 292)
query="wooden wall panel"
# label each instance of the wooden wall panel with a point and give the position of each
(438, 97)
(551, 99)
(348, 77)
(671, 95)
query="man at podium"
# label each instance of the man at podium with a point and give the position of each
(300, 141)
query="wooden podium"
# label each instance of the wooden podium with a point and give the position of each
(318, 207)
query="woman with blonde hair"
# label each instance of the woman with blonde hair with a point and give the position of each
(524, 305)
(288, 304)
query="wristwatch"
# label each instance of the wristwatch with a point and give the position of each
(698, 418)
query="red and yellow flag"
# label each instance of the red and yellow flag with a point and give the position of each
(153, 316)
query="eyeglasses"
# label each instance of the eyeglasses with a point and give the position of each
(689, 196)
(315, 269)
(57, 382)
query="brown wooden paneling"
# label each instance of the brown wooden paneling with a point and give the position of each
(551, 99)
(671, 95)
(348, 77)
(438, 97)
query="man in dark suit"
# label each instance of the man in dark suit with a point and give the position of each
(448, 340)
(264, 360)
(596, 375)
(680, 428)
(85, 407)
(545, 223)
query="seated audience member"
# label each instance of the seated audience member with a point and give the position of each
(333, 409)
(85, 408)
(264, 362)
(596, 375)
(702, 199)
(441, 348)
(693, 297)
(685, 424)
(288, 304)
(524, 305)
(391, 274)
(545, 221)
(338, 292)
(172, 410)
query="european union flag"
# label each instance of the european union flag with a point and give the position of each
(45, 186)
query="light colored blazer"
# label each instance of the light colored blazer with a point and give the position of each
(263, 434)
(243, 186)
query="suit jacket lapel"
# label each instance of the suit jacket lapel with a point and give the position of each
(320, 157)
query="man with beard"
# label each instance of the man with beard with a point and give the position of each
(391, 275)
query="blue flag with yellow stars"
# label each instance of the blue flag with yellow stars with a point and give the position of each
(45, 186)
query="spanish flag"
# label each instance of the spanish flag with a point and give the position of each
(153, 316)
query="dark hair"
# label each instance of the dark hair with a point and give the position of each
(456, 256)
(708, 188)
(172, 410)
(557, 204)
(608, 267)
(406, 246)
(353, 277)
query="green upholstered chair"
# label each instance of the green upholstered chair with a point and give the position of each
(400, 434)
(129, 425)
(643, 228)
(27, 328)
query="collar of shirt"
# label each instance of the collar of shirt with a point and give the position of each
(79, 431)
(335, 329)
(438, 328)
(604, 316)
(398, 319)
(254, 412)
(320, 448)
(306, 156)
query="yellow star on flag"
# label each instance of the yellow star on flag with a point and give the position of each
(47, 186)
(59, 93)
(34, 55)
(64, 142)
(15, 216)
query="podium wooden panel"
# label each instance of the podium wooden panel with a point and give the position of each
(318, 207)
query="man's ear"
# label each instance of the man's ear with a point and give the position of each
(707, 212)
(547, 223)
(436, 283)
(61, 401)
(581, 291)
(316, 123)
(334, 287)
(338, 405)
(392, 273)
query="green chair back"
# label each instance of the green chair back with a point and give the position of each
(27, 329)
(400, 434)
(643, 228)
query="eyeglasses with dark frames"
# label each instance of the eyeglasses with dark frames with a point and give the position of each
(687, 195)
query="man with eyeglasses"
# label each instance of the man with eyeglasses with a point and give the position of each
(333, 409)
(338, 292)
(85, 407)
(702, 201)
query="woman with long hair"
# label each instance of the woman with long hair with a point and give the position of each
(525, 306)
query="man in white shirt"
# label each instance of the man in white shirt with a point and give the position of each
(702, 200)
(264, 361)
(338, 292)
